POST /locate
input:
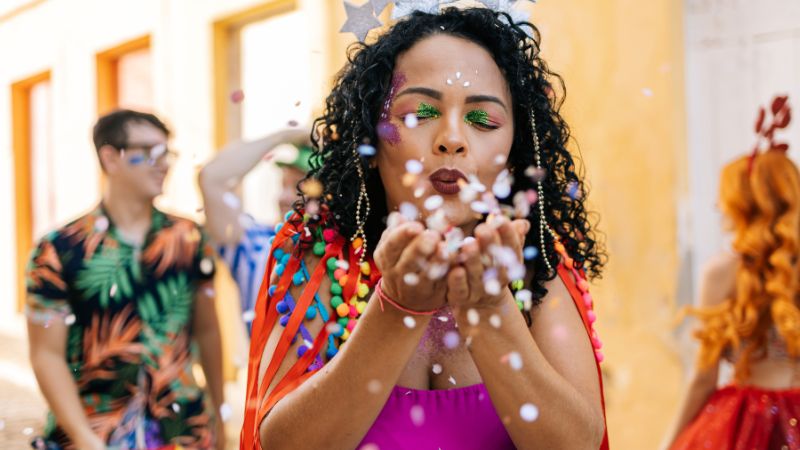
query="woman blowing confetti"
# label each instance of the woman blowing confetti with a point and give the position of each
(749, 309)
(428, 290)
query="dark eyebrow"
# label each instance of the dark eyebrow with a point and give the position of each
(485, 98)
(432, 93)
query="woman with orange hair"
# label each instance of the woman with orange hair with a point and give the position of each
(748, 309)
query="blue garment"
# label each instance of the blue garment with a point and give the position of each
(247, 261)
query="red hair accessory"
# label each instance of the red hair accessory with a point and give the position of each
(781, 116)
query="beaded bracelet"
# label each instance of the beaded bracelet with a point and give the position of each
(383, 297)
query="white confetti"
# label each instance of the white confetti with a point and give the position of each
(176, 407)
(495, 321)
(69, 320)
(502, 185)
(230, 199)
(206, 265)
(411, 120)
(366, 150)
(437, 221)
(493, 287)
(522, 208)
(479, 207)
(101, 224)
(449, 82)
(411, 279)
(408, 211)
(113, 291)
(437, 270)
(27, 431)
(419, 192)
(248, 316)
(526, 297)
(466, 84)
(409, 322)
(414, 167)
(417, 415)
(443, 319)
(499, 160)
(436, 369)
(529, 412)
(342, 264)
(530, 253)
(452, 380)
(515, 360)
(433, 202)
(225, 412)
(473, 317)
(467, 194)
(451, 339)
(535, 173)
(458, 75)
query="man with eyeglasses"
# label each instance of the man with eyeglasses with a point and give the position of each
(115, 300)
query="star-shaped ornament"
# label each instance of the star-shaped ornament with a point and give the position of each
(360, 20)
(379, 5)
(403, 8)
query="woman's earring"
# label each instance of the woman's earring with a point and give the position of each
(543, 226)
(362, 210)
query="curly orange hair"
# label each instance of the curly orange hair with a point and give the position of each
(761, 196)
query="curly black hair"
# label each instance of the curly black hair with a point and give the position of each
(354, 105)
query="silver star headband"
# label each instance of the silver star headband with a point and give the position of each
(362, 19)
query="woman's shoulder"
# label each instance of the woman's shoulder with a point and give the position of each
(718, 278)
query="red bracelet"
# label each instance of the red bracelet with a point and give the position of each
(383, 297)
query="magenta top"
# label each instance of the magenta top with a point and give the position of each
(460, 418)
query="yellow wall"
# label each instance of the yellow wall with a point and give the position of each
(622, 61)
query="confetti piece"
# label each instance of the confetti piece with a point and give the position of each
(443, 319)
(417, 415)
(408, 211)
(502, 185)
(225, 412)
(248, 316)
(414, 166)
(206, 266)
(101, 224)
(530, 253)
(458, 75)
(312, 188)
(237, 96)
(409, 322)
(452, 380)
(231, 200)
(408, 179)
(419, 192)
(69, 320)
(473, 317)
(451, 339)
(366, 150)
(522, 205)
(535, 173)
(529, 412)
(437, 221)
(492, 287)
(574, 190)
(342, 264)
(374, 386)
(411, 121)
(27, 431)
(495, 321)
(499, 160)
(479, 207)
(411, 279)
(436, 369)
(437, 270)
(514, 360)
(466, 84)
(176, 407)
(333, 328)
(113, 291)
(449, 82)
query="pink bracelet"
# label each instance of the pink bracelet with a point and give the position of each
(383, 297)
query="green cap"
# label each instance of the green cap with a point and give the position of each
(301, 162)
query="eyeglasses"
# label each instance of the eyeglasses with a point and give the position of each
(151, 154)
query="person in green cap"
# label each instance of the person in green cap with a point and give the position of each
(243, 242)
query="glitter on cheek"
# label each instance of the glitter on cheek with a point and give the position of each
(386, 129)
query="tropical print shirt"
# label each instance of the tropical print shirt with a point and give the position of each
(129, 310)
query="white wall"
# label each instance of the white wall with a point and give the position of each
(64, 36)
(739, 54)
